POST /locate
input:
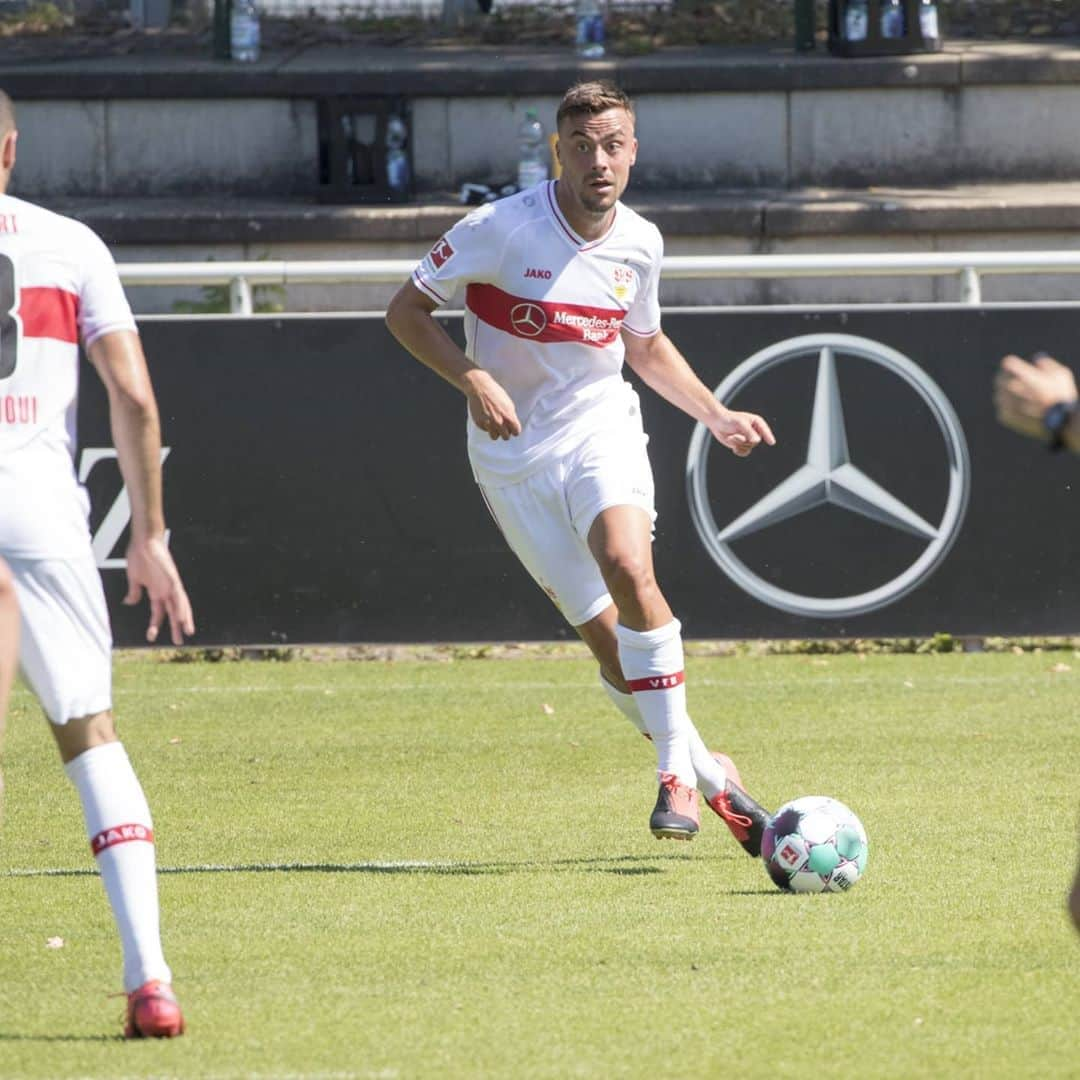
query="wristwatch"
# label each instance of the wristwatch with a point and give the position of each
(1056, 420)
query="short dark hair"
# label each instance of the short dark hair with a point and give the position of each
(591, 98)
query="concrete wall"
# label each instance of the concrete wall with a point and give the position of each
(139, 148)
(778, 138)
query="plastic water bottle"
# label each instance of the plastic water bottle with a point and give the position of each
(892, 19)
(856, 20)
(590, 28)
(244, 31)
(397, 161)
(928, 20)
(532, 168)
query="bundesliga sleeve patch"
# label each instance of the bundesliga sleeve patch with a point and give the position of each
(441, 253)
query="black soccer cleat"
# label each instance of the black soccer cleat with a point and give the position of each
(745, 818)
(676, 814)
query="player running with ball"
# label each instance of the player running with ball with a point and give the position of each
(561, 285)
(58, 285)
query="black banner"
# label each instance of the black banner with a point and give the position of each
(317, 487)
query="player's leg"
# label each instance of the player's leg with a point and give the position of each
(599, 635)
(66, 657)
(650, 655)
(9, 650)
(536, 520)
(611, 496)
(651, 659)
(718, 778)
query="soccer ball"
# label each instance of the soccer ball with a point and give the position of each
(814, 844)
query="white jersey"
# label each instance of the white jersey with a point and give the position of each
(543, 313)
(58, 285)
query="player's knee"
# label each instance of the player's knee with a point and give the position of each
(84, 733)
(629, 575)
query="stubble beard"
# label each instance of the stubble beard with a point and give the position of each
(599, 205)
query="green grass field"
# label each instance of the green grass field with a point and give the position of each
(423, 869)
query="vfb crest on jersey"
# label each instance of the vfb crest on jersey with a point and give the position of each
(624, 279)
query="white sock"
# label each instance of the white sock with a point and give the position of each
(652, 664)
(122, 839)
(626, 705)
(711, 778)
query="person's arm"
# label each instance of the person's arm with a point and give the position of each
(1025, 392)
(410, 319)
(133, 415)
(664, 369)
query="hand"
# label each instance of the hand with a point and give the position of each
(151, 567)
(490, 406)
(740, 432)
(1023, 392)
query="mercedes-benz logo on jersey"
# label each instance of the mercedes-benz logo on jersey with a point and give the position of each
(528, 320)
(830, 477)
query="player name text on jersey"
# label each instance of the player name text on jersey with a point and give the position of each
(18, 409)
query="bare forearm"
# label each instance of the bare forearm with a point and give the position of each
(136, 432)
(426, 340)
(664, 370)
(136, 429)
(409, 319)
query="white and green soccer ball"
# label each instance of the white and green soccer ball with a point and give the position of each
(814, 844)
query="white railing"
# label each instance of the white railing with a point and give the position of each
(967, 266)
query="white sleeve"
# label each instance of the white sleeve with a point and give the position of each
(103, 307)
(469, 252)
(643, 316)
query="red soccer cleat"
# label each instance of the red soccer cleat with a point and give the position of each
(153, 1012)
(744, 817)
(728, 766)
(676, 815)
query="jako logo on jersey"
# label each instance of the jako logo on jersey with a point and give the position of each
(533, 272)
(440, 253)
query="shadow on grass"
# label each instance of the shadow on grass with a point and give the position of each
(623, 865)
(5, 1037)
(765, 890)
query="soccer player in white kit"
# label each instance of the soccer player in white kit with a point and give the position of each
(561, 285)
(59, 285)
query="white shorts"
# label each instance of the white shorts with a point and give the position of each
(547, 516)
(65, 649)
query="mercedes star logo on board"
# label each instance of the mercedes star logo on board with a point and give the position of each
(829, 476)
